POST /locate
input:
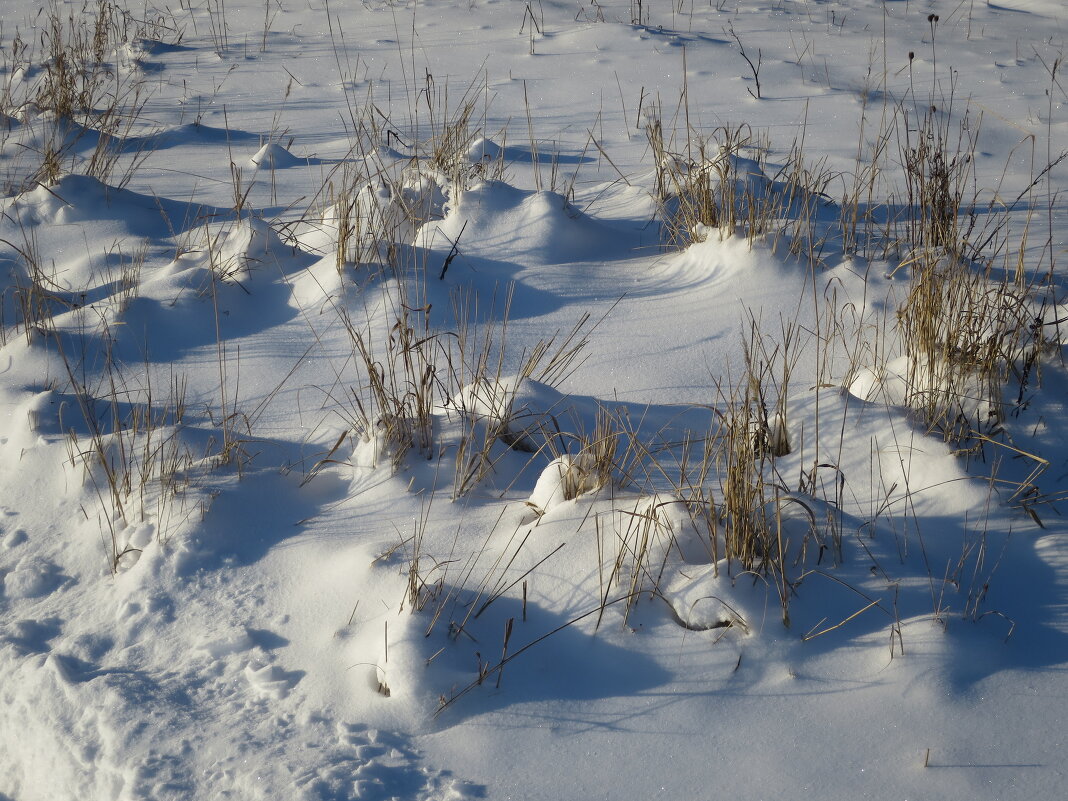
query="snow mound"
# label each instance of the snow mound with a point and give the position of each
(273, 156)
(484, 150)
(248, 244)
(718, 259)
(699, 601)
(379, 214)
(523, 409)
(564, 479)
(904, 380)
(539, 227)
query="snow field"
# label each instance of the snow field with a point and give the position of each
(572, 423)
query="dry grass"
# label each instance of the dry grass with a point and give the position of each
(131, 448)
(966, 328)
(395, 407)
(86, 91)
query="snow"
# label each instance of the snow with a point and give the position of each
(362, 435)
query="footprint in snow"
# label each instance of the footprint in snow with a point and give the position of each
(270, 680)
(32, 578)
(15, 538)
(32, 636)
(264, 677)
(379, 765)
(242, 640)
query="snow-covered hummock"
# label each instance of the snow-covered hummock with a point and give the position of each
(273, 156)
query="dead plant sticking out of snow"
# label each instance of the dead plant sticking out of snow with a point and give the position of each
(84, 90)
(394, 407)
(937, 170)
(130, 446)
(720, 184)
(964, 336)
(486, 397)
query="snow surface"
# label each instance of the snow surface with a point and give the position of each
(285, 601)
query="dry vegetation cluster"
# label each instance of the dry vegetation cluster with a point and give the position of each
(965, 341)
